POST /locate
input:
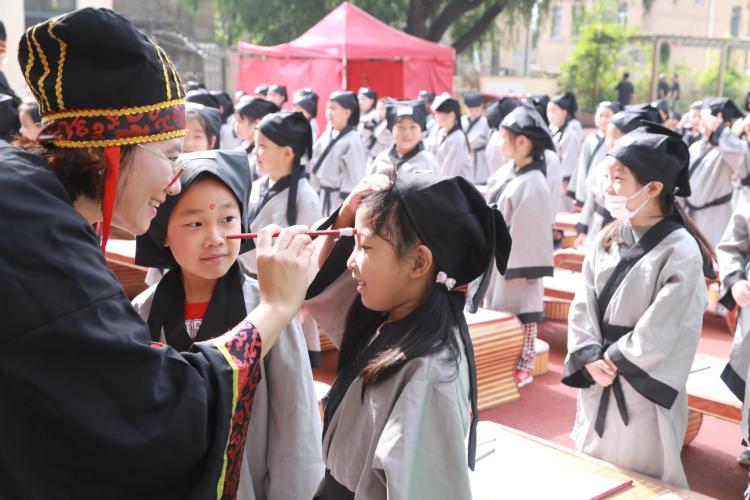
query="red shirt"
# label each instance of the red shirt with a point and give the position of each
(194, 314)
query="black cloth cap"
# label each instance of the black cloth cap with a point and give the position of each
(225, 102)
(349, 101)
(540, 102)
(499, 109)
(202, 96)
(647, 112)
(211, 117)
(567, 101)
(525, 120)
(661, 105)
(9, 121)
(398, 110)
(278, 89)
(724, 105)
(230, 167)
(655, 153)
(427, 96)
(614, 106)
(627, 120)
(368, 92)
(100, 81)
(473, 99)
(255, 107)
(288, 128)
(261, 89)
(3, 35)
(307, 101)
(446, 103)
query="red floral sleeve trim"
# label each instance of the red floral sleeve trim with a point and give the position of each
(242, 348)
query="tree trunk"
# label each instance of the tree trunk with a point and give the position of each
(416, 21)
(452, 11)
(480, 26)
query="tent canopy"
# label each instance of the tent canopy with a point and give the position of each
(349, 48)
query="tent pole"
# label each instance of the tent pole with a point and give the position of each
(343, 73)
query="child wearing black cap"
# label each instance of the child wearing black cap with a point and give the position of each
(368, 116)
(520, 192)
(250, 110)
(277, 95)
(592, 152)
(568, 136)
(496, 111)
(339, 157)
(306, 102)
(449, 144)
(629, 351)
(205, 293)
(203, 126)
(398, 411)
(478, 133)
(714, 161)
(383, 139)
(406, 120)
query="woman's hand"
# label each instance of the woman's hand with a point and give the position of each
(282, 279)
(601, 371)
(741, 293)
(580, 240)
(374, 182)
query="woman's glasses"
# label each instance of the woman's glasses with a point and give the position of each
(176, 167)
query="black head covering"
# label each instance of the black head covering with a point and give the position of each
(3, 35)
(293, 130)
(349, 101)
(647, 111)
(567, 101)
(627, 120)
(368, 92)
(255, 108)
(307, 100)
(747, 102)
(211, 117)
(262, 89)
(227, 306)
(656, 153)
(278, 89)
(9, 122)
(202, 96)
(524, 120)
(398, 110)
(230, 167)
(724, 105)
(614, 106)
(111, 86)
(540, 102)
(467, 239)
(194, 85)
(661, 105)
(473, 99)
(427, 96)
(499, 109)
(225, 103)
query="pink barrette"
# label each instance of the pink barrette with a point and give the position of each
(443, 279)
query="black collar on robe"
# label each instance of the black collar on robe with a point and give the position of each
(456, 128)
(225, 310)
(397, 160)
(282, 184)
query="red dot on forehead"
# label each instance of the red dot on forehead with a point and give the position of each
(211, 206)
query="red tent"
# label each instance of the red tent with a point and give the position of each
(348, 49)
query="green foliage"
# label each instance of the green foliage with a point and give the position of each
(595, 67)
(736, 84)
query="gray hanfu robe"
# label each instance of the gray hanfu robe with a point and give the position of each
(554, 180)
(335, 171)
(712, 167)
(742, 182)
(404, 437)
(568, 141)
(523, 198)
(366, 128)
(592, 152)
(645, 310)
(478, 133)
(383, 141)
(452, 154)
(282, 453)
(492, 153)
(594, 217)
(415, 161)
(733, 254)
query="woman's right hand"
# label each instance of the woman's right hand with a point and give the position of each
(374, 182)
(602, 373)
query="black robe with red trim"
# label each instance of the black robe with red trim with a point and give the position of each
(88, 408)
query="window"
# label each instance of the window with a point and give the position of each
(38, 11)
(622, 13)
(556, 23)
(577, 13)
(734, 22)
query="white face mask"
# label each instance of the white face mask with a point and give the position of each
(617, 205)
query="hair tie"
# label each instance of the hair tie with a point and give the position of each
(443, 279)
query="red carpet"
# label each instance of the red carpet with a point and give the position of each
(547, 410)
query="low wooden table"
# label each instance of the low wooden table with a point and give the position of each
(120, 258)
(708, 395)
(566, 222)
(524, 466)
(559, 291)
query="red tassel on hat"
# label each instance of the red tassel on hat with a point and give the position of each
(112, 156)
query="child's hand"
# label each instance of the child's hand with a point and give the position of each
(519, 280)
(367, 185)
(602, 373)
(741, 293)
(580, 239)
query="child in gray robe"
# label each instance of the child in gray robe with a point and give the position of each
(521, 193)
(282, 457)
(629, 350)
(398, 411)
(450, 145)
(567, 134)
(477, 131)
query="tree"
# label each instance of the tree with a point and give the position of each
(268, 22)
